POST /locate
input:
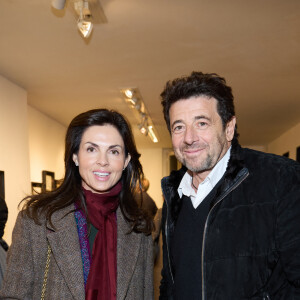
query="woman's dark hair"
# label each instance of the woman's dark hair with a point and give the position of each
(70, 189)
(198, 84)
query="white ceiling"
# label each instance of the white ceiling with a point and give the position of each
(254, 44)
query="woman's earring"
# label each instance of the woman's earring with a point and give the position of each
(76, 163)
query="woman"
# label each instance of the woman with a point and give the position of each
(97, 239)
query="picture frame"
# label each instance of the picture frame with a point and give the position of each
(170, 162)
(48, 181)
(36, 188)
(2, 185)
(286, 154)
(58, 182)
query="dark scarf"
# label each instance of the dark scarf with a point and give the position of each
(102, 279)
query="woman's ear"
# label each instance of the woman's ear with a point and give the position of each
(75, 159)
(127, 160)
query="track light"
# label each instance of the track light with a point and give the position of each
(137, 103)
(128, 93)
(85, 27)
(133, 98)
(143, 128)
(152, 134)
(58, 4)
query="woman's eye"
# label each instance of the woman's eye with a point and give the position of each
(90, 149)
(115, 152)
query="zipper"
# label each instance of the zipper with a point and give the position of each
(234, 186)
(167, 242)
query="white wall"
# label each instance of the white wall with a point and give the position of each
(261, 148)
(151, 160)
(287, 142)
(46, 145)
(14, 156)
(30, 142)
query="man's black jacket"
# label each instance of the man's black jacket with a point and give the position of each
(251, 242)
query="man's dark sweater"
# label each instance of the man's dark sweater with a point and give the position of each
(186, 249)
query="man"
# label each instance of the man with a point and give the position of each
(231, 216)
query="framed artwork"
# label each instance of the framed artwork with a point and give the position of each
(58, 182)
(2, 186)
(36, 188)
(48, 180)
(170, 162)
(287, 154)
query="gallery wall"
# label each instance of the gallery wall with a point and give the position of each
(46, 145)
(151, 160)
(14, 153)
(287, 142)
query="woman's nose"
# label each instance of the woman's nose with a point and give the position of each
(102, 159)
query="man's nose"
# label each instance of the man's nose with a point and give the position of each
(190, 135)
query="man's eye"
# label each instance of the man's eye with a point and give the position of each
(178, 128)
(202, 124)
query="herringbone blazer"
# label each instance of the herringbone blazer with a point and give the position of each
(28, 252)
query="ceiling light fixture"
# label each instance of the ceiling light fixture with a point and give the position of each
(85, 27)
(133, 98)
(87, 13)
(143, 129)
(152, 134)
(58, 4)
(128, 93)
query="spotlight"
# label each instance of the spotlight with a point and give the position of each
(58, 4)
(136, 103)
(128, 93)
(143, 126)
(143, 129)
(85, 27)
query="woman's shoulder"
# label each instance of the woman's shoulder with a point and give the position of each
(25, 217)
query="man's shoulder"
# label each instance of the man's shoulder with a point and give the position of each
(174, 178)
(261, 161)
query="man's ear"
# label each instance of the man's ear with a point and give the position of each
(230, 127)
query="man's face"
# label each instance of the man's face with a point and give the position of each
(198, 137)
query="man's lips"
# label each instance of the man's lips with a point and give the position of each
(192, 151)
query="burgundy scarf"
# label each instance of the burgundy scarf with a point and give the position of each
(102, 279)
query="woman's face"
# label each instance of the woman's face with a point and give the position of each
(101, 158)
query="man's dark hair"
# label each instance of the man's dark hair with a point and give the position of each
(200, 84)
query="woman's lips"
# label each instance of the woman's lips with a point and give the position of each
(101, 175)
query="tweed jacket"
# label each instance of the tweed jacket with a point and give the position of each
(28, 252)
